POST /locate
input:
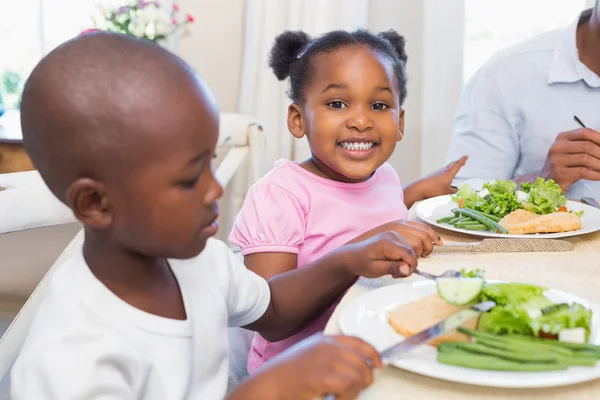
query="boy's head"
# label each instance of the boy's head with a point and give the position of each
(348, 89)
(124, 132)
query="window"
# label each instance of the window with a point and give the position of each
(491, 25)
(29, 29)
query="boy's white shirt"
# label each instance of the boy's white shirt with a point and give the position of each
(86, 343)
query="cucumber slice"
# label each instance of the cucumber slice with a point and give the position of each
(459, 291)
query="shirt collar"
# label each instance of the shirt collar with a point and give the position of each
(566, 66)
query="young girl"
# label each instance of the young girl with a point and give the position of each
(347, 91)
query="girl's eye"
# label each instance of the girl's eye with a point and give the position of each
(380, 106)
(336, 104)
(189, 184)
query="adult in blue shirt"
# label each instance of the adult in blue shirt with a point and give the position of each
(515, 117)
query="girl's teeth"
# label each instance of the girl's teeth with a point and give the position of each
(357, 146)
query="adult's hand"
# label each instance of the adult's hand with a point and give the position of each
(574, 155)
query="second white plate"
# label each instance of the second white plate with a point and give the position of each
(366, 317)
(431, 210)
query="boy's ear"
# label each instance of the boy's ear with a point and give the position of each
(87, 198)
(295, 121)
(400, 126)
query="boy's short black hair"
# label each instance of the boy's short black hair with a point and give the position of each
(293, 52)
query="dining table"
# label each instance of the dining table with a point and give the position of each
(576, 272)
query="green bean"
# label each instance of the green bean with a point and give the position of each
(445, 219)
(490, 216)
(493, 226)
(491, 351)
(465, 359)
(467, 223)
(507, 343)
(478, 227)
(589, 348)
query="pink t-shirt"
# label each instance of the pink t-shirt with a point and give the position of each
(291, 210)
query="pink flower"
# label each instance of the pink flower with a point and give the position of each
(176, 7)
(174, 21)
(189, 18)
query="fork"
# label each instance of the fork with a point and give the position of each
(590, 201)
(451, 273)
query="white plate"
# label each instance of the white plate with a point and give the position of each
(431, 210)
(366, 317)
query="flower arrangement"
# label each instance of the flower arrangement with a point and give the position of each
(144, 19)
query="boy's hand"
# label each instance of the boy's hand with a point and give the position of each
(435, 184)
(419, 236)
(323, 365)
(383, 254)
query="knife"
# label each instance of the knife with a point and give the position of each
(447, 325)
(509, 246)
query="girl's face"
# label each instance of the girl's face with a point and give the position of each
(351, 114)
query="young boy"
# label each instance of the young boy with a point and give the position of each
(124, 132)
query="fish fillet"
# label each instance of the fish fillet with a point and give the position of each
(414, 317)
(524, 222)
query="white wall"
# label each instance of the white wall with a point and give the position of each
(427, 25)
(213, 45)
(406, 18)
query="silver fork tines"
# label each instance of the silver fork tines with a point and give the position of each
(448, 274)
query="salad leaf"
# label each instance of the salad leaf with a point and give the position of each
(500, 187)
(506, 320)
(511, 293)
(574, 316)
(474, 273)
(467, 197)
(504, 204)
(500, 202)
(537, 303)
(519, 310)
(502, 196)
(545, 196)
(464, 192)
(478, 204)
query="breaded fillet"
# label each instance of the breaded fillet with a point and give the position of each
(414, 317)
(524, 222)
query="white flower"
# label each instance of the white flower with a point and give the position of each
(139, 28)
(161, 29)
(162, 25)
(150, 13)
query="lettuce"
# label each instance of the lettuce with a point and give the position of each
(500, 187)
(464, 192)
(574, 316)
(474, 273)
(504, 204)
(511, 293)
(515, 301)
(506, 320)
(544, 196)
(500, 202)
